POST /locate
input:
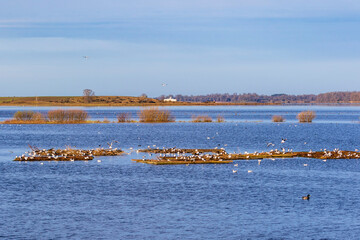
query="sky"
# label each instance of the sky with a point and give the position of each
(193, 46)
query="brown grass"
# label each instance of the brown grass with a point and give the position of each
(31, 116)
(220, 118)
(67, 116)
(201, 118)
(106, 120)
(154, 114)
(306, 116)
(277, 118)
(124, 117)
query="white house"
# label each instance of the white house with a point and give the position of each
(170, 99)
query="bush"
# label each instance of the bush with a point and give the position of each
(124, 117)
(24, 115)
(67, 116)
(306, 116)
(154, 114)
(201, 118)
(28, 116)
(278, 118)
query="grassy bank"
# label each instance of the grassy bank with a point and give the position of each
(101, 101)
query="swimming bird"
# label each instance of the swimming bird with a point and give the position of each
(283, 140)
(235, 165)
(234, 171)
(307, 197)
(164, 84)
(249, 171)
(86, 57)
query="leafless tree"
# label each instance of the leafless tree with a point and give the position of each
(88, 95)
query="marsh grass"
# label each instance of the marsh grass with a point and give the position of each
(123, 117)
(106, 120)
(54, 116)
(67, 116)
(306, 116)
(220, 119)
(201, 118)
(28, 116)
(154, 115)
(277, 118)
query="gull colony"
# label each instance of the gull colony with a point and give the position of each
(168, 156)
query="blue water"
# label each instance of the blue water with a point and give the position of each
(120, 199)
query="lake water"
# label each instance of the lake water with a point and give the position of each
(120, 199)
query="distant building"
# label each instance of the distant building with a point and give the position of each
(170, 99)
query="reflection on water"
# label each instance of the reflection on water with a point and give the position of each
(117, 198)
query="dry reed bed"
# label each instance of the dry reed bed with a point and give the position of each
(306, 116)
(201, 118)
(155, 115)
(58, 116)
(146, 115)
(277, 118)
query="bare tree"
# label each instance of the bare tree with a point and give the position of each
(88, 95)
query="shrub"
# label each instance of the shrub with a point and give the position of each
(66, 116)
(28, 116)
(201, 118)
(124, 117)
(154, 114)
(220, 119)
(24, 115)
(306, 116)
(277, 118)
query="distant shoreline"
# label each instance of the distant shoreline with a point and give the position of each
(127, 101)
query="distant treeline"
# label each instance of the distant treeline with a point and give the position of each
(331, 97)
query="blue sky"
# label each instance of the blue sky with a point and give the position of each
(196, 47)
